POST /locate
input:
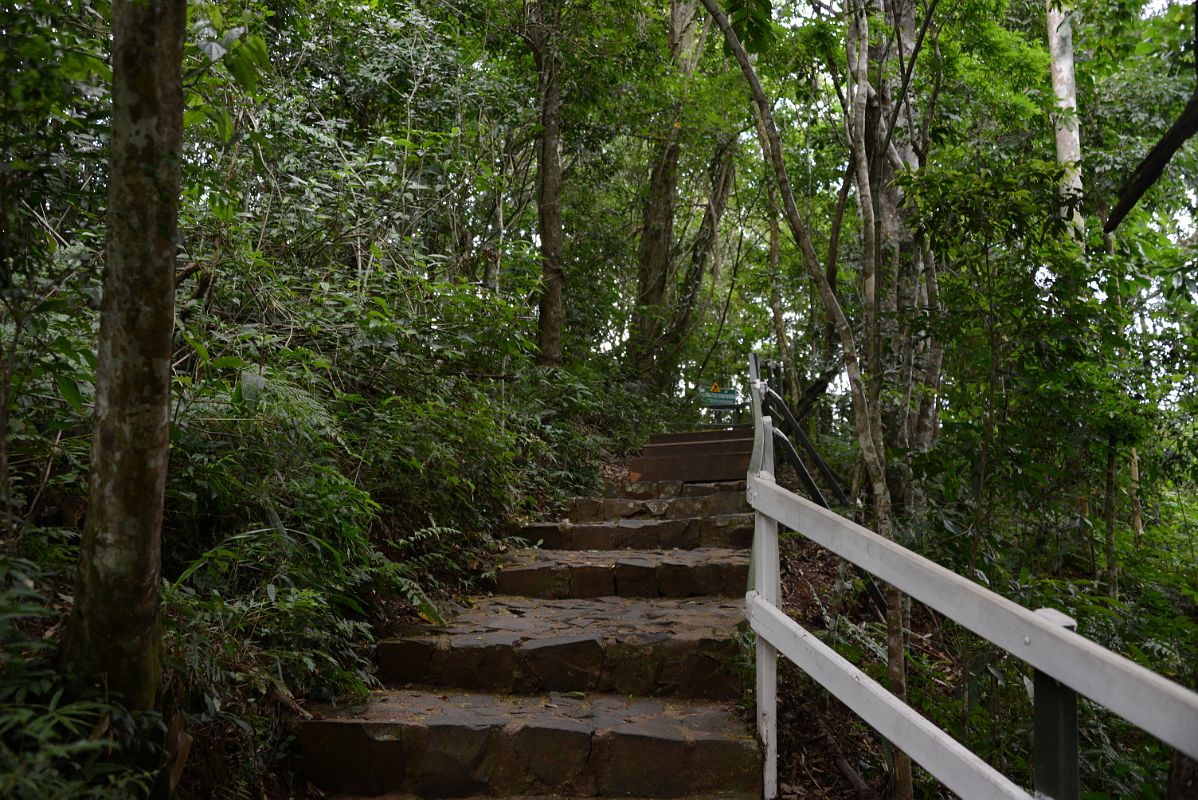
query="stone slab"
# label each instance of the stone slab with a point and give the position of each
(688, 468)
(561, 574)
(409, 796)
(421, 743)
(660, 646)
(598, 509)
(707, 435)
(699, 448)
(664, 490)
(733, 531)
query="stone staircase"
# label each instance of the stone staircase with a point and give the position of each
(716, 455)
(603, 666)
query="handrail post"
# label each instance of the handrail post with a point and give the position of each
(767, 580)
(1054, 736)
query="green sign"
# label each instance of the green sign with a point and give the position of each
(721, 398)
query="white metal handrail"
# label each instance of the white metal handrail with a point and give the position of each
(1043, 639)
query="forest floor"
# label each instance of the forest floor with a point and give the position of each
(824, 751)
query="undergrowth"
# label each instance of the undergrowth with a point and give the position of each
(305, 508)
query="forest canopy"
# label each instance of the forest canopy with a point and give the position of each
(437, 264)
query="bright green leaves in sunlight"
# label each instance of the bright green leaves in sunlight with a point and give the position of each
(753, 22)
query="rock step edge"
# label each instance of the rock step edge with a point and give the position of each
(557, 574)
(430, 744)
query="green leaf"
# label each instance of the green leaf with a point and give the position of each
(222, 120)
(70, 392)
(213, 49)
(227, 362)
(245, 59)
(198, 346)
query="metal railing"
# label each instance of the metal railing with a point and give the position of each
(1065, 663)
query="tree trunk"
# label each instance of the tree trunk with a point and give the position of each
(872, 453)
(1183, 778)
(1069, 153)
(926, 422)
(654, 256)
(1108, 513)
(704, 251)
(114, 630)
(655, 253)
(1064, 88)
(790, 370)
(545, 17)
(858, 54)
(1137, 512)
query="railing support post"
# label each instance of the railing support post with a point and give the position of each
(767, 580)
(1054, 745)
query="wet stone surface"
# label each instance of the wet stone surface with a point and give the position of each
(436, 744)
(643, 573)
(596, 509)
(648, 490)
(724, 530)
(661, 646)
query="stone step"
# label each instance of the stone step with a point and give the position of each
(409, 796)
(643, 573)
(597, 509)
(663, 490)
(722, 530)
(711, 434)
(690, 468)
(699, 448)
(431, 744)
(662, 646)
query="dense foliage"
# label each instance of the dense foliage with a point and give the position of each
(358, 410)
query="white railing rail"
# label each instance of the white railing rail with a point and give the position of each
(1064, 661)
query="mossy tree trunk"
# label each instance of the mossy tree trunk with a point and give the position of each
(543, 28)
(114, 630)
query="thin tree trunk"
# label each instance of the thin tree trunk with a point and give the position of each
(1069, 153)
(8, 353)
(545, 17)
(790, 369)
(1064, 88)
(831, 338)
(655, 252)
(705, 251)
(1137, 513)
(926, 421)
(895, 651)
(870, 445)
(1108, 513)
(114, 630)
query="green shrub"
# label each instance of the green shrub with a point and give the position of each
(56, 740)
